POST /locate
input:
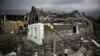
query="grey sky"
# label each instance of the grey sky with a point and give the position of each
(89, 6)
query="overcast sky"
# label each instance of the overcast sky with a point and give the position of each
(90, 7)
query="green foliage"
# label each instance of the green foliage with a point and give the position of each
(8, 43)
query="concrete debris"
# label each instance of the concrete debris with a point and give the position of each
(1, 54)
(80, 52)
(76, 54)
(11, 54)
(68, 51)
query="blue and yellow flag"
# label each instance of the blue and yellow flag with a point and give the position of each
(50, 26)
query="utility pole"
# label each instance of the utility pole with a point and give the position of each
(4, 17)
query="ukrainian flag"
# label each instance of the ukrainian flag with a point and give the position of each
(50, 26)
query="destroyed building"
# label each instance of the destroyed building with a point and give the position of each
(73, 25)
(70, 30)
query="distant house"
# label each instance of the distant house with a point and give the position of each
(12, 22)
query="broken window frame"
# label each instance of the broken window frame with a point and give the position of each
(77, 29)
